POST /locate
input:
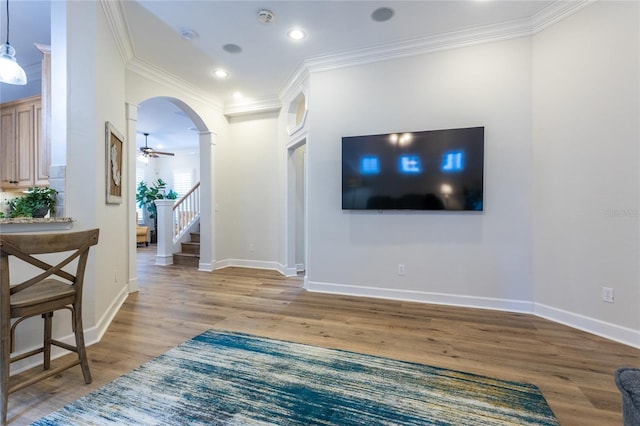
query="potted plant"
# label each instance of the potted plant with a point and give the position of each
(146, 195)
(36, 202)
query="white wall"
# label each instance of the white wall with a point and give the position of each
(95, 95)
(586, 133)
(164, 166)
(562, 124)
(248, 205)
(481, 259)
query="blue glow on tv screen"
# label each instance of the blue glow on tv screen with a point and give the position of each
(426, 170)
(369, 165)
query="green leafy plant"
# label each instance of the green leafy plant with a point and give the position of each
(146, 195)
(37, 202)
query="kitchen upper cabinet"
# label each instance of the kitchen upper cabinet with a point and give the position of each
(23, 156)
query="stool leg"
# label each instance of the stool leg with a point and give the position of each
(5, 360)
(48, 320)
(82, 351)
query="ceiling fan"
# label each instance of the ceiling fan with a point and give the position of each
(150, 152)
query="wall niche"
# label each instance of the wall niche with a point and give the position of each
(297, 113)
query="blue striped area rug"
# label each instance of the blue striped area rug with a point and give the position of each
(221, 378)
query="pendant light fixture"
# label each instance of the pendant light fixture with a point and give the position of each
(10, 71)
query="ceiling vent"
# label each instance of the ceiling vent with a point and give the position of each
(265, 16)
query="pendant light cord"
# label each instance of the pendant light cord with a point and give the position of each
(7, 21)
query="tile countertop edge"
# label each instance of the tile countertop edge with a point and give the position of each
(28, 224)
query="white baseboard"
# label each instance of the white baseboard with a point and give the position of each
(95, 333)
(205, 267)
(133, 285)
(258, 264)
(609, 331)
(289, 272)
(164, 260)
(255, 264)
(423, 297)
(600, 328)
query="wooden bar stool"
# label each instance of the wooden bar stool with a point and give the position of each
(42, 295)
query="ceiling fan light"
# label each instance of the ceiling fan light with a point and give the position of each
(10, 71)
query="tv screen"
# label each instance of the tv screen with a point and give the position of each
(427, 170)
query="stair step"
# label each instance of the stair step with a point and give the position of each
(189, 259)
(191, 247)
(195, 237)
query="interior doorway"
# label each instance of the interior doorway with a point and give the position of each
(297, 209)
(199, 155)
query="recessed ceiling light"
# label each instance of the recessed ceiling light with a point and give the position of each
(220, 73)
(237, 95)
(296, 34)
(382, 14)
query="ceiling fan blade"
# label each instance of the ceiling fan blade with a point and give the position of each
(149, 151)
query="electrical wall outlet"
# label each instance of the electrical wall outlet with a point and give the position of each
(607, 294)
(401, 270)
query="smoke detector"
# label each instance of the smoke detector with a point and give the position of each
(188, 33)
(265, 16)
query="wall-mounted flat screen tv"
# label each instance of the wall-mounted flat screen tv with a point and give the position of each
(426, 170)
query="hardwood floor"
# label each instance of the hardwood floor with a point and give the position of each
(573, 369)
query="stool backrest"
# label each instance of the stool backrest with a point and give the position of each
(24, 246)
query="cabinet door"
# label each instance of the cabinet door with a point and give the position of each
(8, 148)
(24, 153)
(24, 144)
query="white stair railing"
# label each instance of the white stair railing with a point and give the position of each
(186, 211)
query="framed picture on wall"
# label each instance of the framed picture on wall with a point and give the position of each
(114, 142)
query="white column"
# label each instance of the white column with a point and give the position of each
(132, 123)
(164, 255)
(207, 202)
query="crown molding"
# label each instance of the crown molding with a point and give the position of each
(119, 28)
(160, 76)
(266, 104)
(294, 82)
(33, 72)
(556, 12)
(422, 45)
(524, 27)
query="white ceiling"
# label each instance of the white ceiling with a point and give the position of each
(268, 59)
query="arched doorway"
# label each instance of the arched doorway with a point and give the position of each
(176, 127)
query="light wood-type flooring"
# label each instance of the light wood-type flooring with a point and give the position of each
(573, 369)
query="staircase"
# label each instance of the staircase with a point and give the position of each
(190, 254)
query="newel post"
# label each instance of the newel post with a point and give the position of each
(164, 209)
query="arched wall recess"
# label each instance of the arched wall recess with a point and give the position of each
(297, 113)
